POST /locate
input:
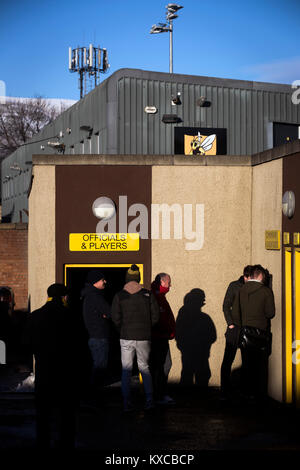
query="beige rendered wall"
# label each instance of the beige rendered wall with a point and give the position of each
(226, 195)
(267, 215)
(41, 235)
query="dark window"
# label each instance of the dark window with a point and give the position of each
(284, 133)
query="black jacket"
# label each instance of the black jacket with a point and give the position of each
(96, 312)
(230, 295)
(52, 334)
(134, 312)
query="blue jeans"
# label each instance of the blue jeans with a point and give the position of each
(99, 352)
(130, 348)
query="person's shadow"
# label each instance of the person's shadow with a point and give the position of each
(195, 333)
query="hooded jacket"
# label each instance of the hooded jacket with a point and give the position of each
(254, 306)
(165, 328)
(134, 312)
(96, 312)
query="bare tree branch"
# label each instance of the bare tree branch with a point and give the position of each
(20, 120)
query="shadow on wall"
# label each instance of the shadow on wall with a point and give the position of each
(195, 333)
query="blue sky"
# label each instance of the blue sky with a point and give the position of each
(253, 40)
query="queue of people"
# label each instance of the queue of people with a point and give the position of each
(145, 323)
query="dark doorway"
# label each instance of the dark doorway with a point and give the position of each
(75, 277)
(284, 133)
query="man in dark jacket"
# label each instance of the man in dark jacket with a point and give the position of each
(232, 332)
(96, 315)
(254, 307)
(162, 332)
(134, 312)
(52, 336)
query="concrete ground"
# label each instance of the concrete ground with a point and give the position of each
(197, 422)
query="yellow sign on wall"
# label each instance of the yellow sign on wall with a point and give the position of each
(104, 242)
(272, 239)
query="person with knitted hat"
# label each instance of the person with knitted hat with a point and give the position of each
(134, 312)
(96, 316)
(53, 336)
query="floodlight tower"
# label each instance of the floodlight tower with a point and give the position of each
(88, 62)
(171, 8)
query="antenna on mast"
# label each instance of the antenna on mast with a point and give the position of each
(89, 63)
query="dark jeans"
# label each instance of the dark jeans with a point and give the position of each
(159, 350)
(255, 373)
(229, 356)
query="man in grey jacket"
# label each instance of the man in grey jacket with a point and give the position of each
(134, 312)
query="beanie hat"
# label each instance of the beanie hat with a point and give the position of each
(57, 290)
(133, 274)
(94, 276)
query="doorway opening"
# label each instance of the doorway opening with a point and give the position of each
(75, 278)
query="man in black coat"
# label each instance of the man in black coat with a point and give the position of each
(52, 336)
(232, 332)
(134, 312)
(96, 316)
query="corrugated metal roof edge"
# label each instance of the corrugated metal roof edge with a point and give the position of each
(200, 79)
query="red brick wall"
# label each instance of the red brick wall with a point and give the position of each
(13, 261)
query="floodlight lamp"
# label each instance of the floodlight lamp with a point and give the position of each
(173, 7)
(203, 102)
(171, 16)
(59, 146)
(176, 100)
(15, 167)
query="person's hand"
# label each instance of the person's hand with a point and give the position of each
(231, 326)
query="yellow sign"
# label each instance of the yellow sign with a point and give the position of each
(272, 239)
(296, 238)
(104, 242)
(286, 238)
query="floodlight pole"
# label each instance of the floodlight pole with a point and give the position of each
(172, 8)
(171, 47)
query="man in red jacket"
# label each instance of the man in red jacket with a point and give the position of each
(162, 332)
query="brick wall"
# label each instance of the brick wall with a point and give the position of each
(13, 261)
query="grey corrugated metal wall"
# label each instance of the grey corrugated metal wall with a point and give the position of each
(245, 113)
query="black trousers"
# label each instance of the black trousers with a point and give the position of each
(255, 373)
(61, 413)
(159, 350)
(229, 356)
